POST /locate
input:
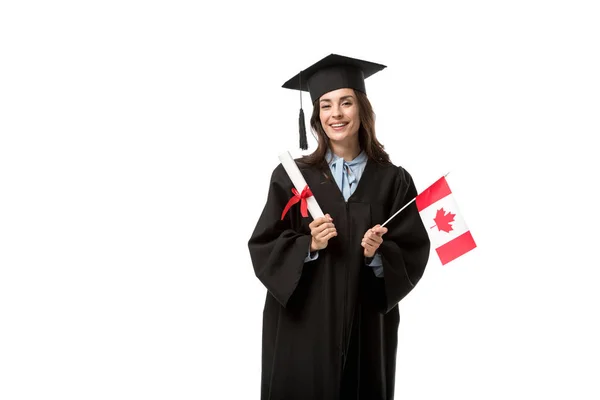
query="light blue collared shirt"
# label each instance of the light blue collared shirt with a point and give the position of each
(347, 174)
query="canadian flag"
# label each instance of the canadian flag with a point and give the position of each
(447, 230)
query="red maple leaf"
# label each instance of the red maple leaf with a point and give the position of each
(443, 219)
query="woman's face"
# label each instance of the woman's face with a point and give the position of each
(338, 111)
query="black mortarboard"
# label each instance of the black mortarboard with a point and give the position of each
(330, 73)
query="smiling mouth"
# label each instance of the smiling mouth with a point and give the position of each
(338, 126)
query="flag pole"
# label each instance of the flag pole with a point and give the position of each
(398, 212)
(406, 205)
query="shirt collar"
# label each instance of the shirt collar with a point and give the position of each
(333, 158)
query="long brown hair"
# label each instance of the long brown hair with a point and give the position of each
(366, 134)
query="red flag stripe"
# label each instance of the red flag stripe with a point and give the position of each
(456, 247)
(433, 193)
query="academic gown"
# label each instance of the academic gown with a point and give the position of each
(330, 326)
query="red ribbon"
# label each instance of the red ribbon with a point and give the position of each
(299, 197)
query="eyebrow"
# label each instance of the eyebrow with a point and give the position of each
(341, 98)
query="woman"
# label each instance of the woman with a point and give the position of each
(331, 317)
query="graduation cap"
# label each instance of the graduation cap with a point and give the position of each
(330, 73)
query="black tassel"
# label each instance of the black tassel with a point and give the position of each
(303, 142)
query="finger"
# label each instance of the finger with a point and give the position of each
(325, 233)
(329, 232)
(318, 222)
(368, 234)
(329, 236)
(323, 228)
(325, 239)
(367, 244)
(372, 243)
(317, 227)
(375, 241)
(372, 235)
(328, 225)
(378, 230)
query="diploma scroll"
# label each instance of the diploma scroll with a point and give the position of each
(299, 183)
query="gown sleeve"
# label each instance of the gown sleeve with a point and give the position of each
(278, 251)
(406, 245)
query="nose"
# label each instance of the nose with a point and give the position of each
(337, 111)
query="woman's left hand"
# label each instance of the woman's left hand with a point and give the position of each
(372, 240)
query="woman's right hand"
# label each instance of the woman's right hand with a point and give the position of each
(321, 230)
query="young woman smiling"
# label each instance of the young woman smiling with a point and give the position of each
(331, 316)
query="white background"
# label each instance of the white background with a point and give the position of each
(136, 144)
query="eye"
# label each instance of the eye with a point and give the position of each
(324, 106)
(347, 103)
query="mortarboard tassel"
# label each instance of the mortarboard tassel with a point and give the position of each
(301, 123)
(303, 142)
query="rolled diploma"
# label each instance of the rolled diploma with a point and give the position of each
(299, 183)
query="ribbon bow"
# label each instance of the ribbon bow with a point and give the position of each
(298, 197)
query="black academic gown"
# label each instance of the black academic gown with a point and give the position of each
(330, 326)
